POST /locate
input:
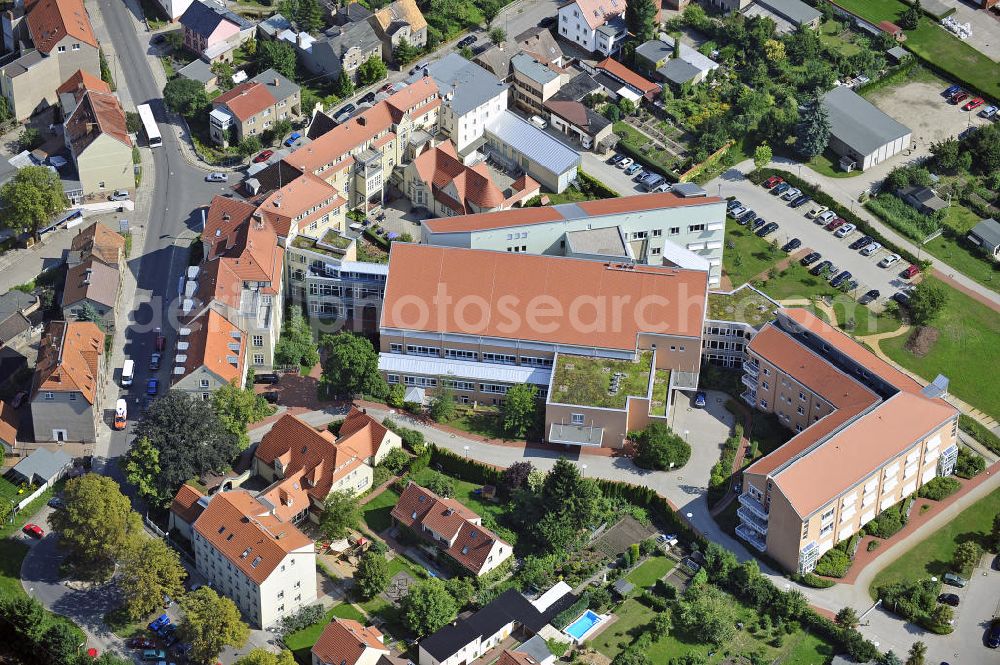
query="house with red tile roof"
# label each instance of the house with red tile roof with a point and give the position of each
(247, 550)
(438, 181)
(96, 135)
(455, 529)
(347, 642)
(866, 436)
(253, 107)
(368, 437)
(594, 25)
(68, 382)
(54, 39)
(623, 82)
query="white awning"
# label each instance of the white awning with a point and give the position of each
(396, 363)
(629, 94)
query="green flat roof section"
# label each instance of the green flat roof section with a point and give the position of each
(743, 305)
(586, 381)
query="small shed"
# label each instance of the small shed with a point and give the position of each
(897, 54)
(622, 588)
(892, 29)
(43, 466)
(986, 234)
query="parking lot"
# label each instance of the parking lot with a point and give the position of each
(795, 224)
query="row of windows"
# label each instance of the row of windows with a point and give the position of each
(465, 354)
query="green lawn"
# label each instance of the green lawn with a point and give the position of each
(866, 322)
(300, 643)
(650, 570)
(376, 512)
(969, 337)
(795, 281)
(933, 555)
(971, 265)
(833, 35)
(960, 218)
(746, 255)
(464, 493)
(828, 164)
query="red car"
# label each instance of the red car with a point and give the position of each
(263, 157)
(835, 223)
(773, 181)
(973, 104)
(910, 272)
(959, 97)
(388, 87)
(33, 530)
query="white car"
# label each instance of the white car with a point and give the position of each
(870, 249)
(818, 210)
(216, 177)
(825, 217)
(888, 261)
(119, 195)
(791, 194)
(737, 211)
(844, 230)
(625, 163)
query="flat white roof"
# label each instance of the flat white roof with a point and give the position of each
(545, 601)
(399, 363)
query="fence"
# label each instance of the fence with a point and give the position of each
(31, 497)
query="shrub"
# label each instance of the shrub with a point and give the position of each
(979, 432)
(812, 580)
(570, 614)
(969, 464)
(886, 524)
(873, 545)
(904, 218)
(718, 482)
(834, 563)
(940, 488)
(304, 618)
(657, 447)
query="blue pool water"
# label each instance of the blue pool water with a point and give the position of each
(580, 627)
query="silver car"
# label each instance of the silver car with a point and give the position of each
(216, 177)
(870, 249)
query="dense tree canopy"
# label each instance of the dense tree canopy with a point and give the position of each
(277, 55)
(427, 607)
(813, 131)
(31, 199)
(211, 622)
(658, 447)
(351, 366)
(296, 346)
(149, 570)
(341, 514)
(185, 96)
(520, 408)
(237, 407)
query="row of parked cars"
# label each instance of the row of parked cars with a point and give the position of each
(649, 180)
(956, 96)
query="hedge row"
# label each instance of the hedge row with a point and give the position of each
(760, 175)
(722, 472)
(977, 431)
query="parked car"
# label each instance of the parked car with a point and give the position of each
(270, 378)
(700, 400)
(152, 386)
(993, 634)
(949, 599)
(158, 622)
(625, 163)
(746, 217)
(780, 188)
(988, 112)
(263, 156)
(154, 654)
(791, 245)
(773, 181)
(367, 99)
(870, 248)
(844, 231)
(33, 530)
(154, 361)
(911, 272)
(791, 194)
(56, 503)
(632, 169)
(951, 90)
(954, 580)
(800, 201)
(290, 141)
(615, 158)
(662, 187)
(888, 260)
(810, 258)
(959, 97)
(270, 396)
(840, 278)
(119, 195)
(757, 223)
(973, 104)
(818, 269)
(468, 40)
(825, 217)
(216, 176)
(640, 174)
(767, 229)
(835, 224)
(418, 67)
(651, 183)
(870, 296)
(140, 643)
(863, 241)
(816, 211)
(737, 211)
(902, 297)
(732, 205)
(121, 414)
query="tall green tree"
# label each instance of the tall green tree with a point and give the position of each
(149, 570)
(442, 405)
(142, 467)
(296, 346)
(31, 199)
(967, 555)
(341, 514)
(926, 302)
(640, 17)
(813, 131)
(61, 643)
(498, 35)
(910, 18)
(917, 654)
(351, 366)
(520, 407)
(490, 9)
(372, 70)
(762, 155)
(190, 439)
(427, 607)
(261, 656)
(185, 96)
(96, 524)
(405, 52)
(659, 447)
(372, 576)
(345, 85)
(211, 622)
(277, 55)
(847, 618)
(238, 407)
(306, 14)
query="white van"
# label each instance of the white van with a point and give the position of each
(539, 121)
(128, 373)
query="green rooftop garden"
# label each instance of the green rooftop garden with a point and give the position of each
(744, 305)
(333, 244)
(334, 239)
(588, 381)
(661, 382)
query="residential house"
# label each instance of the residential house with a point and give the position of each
(342, 48)
(303, 466)
(579, 121)
(73, 89)
(246, 549)
(211, 352)
(99, 242)
(307, 204)
(9, 421)
(15, 309)
(622, 82)
(438, 181)
(594, 25)
(94, 286)
(867, 436)
(347, 642)
(472, 635)
(97, 137)
(53, 39)
(272, 26)
(200, 71)
(986, 234)
(253, 106)
(923, 199)
(524, 149)
(42, 467)
(398, 21)
(655, 58)
(787, 15)
(652, 228)
(534, 651)
(67, 387)
(452, 527)
(482, 359)
(535, 82)
(860, 134)
(174, 9)
(368, 437)
(212, 31)
(535, 42)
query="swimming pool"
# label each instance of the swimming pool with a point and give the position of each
(583, 625)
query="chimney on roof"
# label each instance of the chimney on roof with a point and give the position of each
(86, 275)
(275, 81)
(226, 217)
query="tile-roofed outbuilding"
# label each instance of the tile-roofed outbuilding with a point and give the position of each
(620, 72)
(49, 21)
(69, 358)
(96, 113)
(81, 81)
(99, 242)
(345, 641)
(91, 280)
(186, 503)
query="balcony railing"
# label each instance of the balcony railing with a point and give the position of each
(749, 381)
(750, 397)
(755, 506)
(752, 537)
(751, 368)
(751, 520)
(808, 557)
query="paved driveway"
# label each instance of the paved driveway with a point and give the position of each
(795, 224)
(611, 176)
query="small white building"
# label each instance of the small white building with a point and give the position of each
(860, 134)
(596, 25)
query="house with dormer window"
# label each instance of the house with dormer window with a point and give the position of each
(595, 25)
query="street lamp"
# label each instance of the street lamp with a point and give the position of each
(466, 451)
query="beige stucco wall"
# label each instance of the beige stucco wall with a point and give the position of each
(105, 165)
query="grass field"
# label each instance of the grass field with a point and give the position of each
(866, 322)
(969, 264)
(376, 512)
(969, 337)
(300, 643)
(796, 282)
(828, 164)
(747, 256)
(650, 570)
(933, 555)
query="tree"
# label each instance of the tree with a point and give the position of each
(5, 114)
(186, 96)
(62, 643)
(237, 407)
(224, 74)
(405, 52)
(519, 409)
(189, 438)
(279, 129)
(106, 69)
(612, 112)
(890, 658)
(947, 154)
(942, 615)
(774, 50)
(396, 395)
(427, 607)
(926, 302)
(640, 17)
(89, 313)
(29, 139)
(251, 145)
(462, 589)
(442, 406)
(498, 35)
(25, 615)
(995, 534)
(440, 484)
(97, 522)
(277, 55)
(372, 70)
(395, 461)
(149, 570)
(372, 576)
(515, 477)
(626, 106)
(307, 14)
(658, 447)
(709, 613)
(967, 555)
(569, 499)
(631, 656)
(211, 622)
(813, 131)
(910, 18)
(490, 10)
(261, 656)
(351, 366)
(762, 155)
(31, 198)
(341, 514)
(918, 652)
(847, 618)
(345, 86)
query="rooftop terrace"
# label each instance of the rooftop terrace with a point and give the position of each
(588, 381)
(744, 305)
(332, 244)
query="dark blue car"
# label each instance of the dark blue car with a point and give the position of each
(152, 386)
(699, 400)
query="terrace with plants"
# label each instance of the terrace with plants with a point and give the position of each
(332, 244)
(744, 305)
(600, 382)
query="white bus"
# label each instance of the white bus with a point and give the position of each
(149, 125)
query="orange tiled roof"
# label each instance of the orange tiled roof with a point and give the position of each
(222, 218)
(69, 358)
(185, 504)
(362, 433)
(99, 242)
(97, 113)
(49, 21)
(417, 272)
(246, 100)
(8, 423)
(452, 181)
(344, 641)
(406, 10)
(296, 198)
(82, 81)
(644, 85)
(216, 344)
(242, 530)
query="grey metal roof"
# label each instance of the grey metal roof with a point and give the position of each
(473, 86)
(536, 648)
(898, 52)
(536, 144)
(606, 241)
(577, 88)
(43, 464)
(533, 69)
(654, 50)
(859, 124)
(15, 301)
(988, 231)
(795, 11)
(273, 25)
(690, 55)
(284, 88)
(678, 71)
(197, 70)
